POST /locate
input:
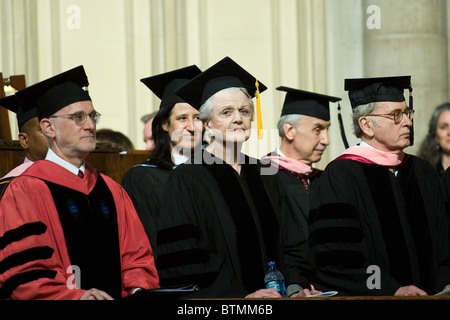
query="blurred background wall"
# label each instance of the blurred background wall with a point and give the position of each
(307, 44)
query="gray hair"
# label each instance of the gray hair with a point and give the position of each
(206, 108)
(293, 119)
(362, 111)
(146, 118)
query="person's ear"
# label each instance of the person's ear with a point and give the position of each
(165, 126)
(366, 126)
(48, 128)
(23, 139)
(206, 125)
(289, 131)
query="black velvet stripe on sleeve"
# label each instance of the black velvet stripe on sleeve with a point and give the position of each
(182, 257)
(22, 257)
(19, 233)
(178, 233)
(334, 223)
(335, 235)
(21, 278)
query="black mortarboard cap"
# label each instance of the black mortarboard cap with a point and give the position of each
(55, 93)
(224, 74)
(164, 85)
(12, 103)
(306, 103)
(366, 90)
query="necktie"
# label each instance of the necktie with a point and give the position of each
(80, 174)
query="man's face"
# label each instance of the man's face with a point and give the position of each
(33, 140)
(71, 139)
(310, 139)
(389, 136)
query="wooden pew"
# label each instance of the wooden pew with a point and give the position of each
(106, 160)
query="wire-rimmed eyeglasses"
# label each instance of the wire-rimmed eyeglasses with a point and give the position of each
(80, 117)
(396, 114)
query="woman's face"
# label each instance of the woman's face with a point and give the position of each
(231, 117)
(184, 128)
(443, 131)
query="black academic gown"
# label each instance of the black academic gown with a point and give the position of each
(363, 215)
(298, 198)
(445, 179)
(144, 184)
(217, 229)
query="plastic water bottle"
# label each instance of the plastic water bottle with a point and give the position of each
(274, 278)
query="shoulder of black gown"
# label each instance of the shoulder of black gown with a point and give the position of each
(144, 174)
(334, 182)
(421, 166)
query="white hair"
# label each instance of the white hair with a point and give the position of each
(206, 108)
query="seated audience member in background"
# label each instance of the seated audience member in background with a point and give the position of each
(61, 215)
(222, 219)
(148, 131)
(303, 129)
(30, 137)
(378, 212)
(115, 139)
(435, 148)
(177, 129)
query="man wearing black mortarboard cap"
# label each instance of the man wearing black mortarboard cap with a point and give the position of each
(145, 182)
(225, 212)
(72, 218)
(377, 206)
(303, 129)
(30, 137)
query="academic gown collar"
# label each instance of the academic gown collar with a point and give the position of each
(52, 172)
(367, 154)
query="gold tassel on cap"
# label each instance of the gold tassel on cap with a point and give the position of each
(258, 111)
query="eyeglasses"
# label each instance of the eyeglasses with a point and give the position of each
(397, 114)
(80, 117)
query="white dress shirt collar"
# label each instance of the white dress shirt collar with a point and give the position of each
(51, 156)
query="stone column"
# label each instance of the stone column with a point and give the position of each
(411, 39)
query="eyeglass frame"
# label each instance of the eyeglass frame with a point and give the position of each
(393, 114)
(72, 116)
